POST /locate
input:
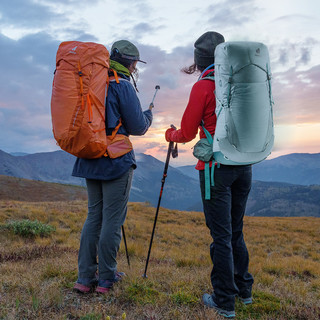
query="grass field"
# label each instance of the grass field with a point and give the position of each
(37, 273)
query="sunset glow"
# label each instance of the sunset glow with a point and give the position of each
(29, 39)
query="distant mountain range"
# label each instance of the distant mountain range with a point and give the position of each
(278, 199)
(179, 193)
(295, 168)
(47, 166)
(182, 192)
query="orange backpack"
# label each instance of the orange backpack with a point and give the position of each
(78, 98)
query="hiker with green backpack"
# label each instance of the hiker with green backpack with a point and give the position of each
(231, 104)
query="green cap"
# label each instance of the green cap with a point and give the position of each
(127, 50)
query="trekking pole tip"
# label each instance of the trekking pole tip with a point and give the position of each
(144, 276)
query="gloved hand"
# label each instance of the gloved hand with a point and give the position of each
(169, 134)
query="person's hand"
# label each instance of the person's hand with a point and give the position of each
(169, 134)
(151, 106)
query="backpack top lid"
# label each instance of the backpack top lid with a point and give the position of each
(236, 55)
(75, 52)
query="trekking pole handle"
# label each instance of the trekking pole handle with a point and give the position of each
(174, 150)
(154, 96)
(151, 104)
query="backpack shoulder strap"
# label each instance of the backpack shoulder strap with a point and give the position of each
(115, 130)
(115, 76)
(208, 77)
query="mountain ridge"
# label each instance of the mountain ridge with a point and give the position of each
(181, 191)
(295, 168)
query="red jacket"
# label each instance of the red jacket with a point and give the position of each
(201, 106)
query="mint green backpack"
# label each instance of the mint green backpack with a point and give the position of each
(244, 132)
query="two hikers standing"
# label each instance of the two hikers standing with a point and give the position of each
(109, 181)
(224, 198)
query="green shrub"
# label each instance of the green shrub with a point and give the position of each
(185, 298)
(142, 292)
(91, 316)
(29, 229)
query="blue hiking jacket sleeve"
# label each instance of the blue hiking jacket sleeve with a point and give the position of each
(122, 102)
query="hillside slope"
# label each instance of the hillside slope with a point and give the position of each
(37, 275)
(19, 189)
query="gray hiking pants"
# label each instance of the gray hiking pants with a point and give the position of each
(101, 233)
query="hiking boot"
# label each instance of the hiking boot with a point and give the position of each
(85, 285)
(245, 300)
(105, 285)
(208, 301)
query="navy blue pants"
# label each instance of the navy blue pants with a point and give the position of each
(224, 217)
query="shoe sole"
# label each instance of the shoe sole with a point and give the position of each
(226, 315)
(80, 288)
(221, 312)
(119, 276)
(102, 290)
(245, 301)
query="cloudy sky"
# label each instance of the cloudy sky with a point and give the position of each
(164, 31)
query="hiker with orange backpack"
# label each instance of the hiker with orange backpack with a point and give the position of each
(224, 210)
(109, 177)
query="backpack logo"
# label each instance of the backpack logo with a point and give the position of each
(73, 50)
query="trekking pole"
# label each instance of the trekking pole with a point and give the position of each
(125, 244)
(174, 153)
(157, 87)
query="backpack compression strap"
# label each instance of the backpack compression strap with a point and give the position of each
(89, 98)
(207, 177)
